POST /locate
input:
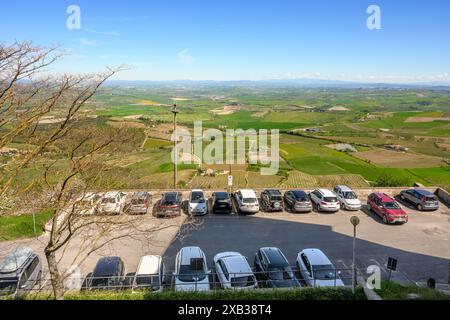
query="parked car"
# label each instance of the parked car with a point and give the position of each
(149, 274)
(191, 272)
(387, 208)
(317, 270)
(112, 203)
(20, 271)
(108, 275)
(88, 204)
(169, 205)
(423, 200)
(220, 202)
(139, 204)
(325, 200)
(297, 201)
(348, 198)
(234, 272)
(272, 200)
(197, 203)
(273, 269)
(246, 201)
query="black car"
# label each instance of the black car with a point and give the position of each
(273, 270)
(220, 202)
(297, 201)
(169, 205)
(108, 275)
(272, 200)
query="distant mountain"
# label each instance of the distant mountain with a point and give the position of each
(311, 83)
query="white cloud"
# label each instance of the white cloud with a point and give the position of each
(107, 33)
(88, 42)
(184, 57)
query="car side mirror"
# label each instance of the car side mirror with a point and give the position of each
(23, 287)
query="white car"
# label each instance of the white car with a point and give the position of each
(149, 274)
(348, 198)
(112, 203)
(234, 271)
(325, 200)
(191, 272)
(88, 204)
(317, 270)
(197, 203)
(246, 201)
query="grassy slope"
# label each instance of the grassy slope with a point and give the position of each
(394, 291)
(21, 227)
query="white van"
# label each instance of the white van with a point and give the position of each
(246, 201)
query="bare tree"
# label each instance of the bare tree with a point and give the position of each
(76, 153)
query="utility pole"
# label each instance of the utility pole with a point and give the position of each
(355, 222)
(175, 142)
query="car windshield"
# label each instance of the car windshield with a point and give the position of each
(325, 272)
(170, 200)
(330, 199)
(242, 282)
(138, 201)
(103, 282)
(147, 281)
(109, 200)
(222, 197)
(350, 195)
(197, 197)
(249, 200)
(275, 198)
(391, 205)
(190, 274)
(8, 286)
(281, 273)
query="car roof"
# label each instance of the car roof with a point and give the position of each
(316, 257)
(237, 264)
(299, 192)
(140, 194)
(106, 266)
(112, 194)
(187, 253)
(344, 188)
(247, 193)
(384, 197)
(273, 192)
(223, 193)
(149, 265)
(327, 193)
(275, 256)
(424, 192)
(16, 260)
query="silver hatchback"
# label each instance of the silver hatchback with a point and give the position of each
(19, 273)
(423, 200)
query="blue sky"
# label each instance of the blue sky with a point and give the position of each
(246, 39)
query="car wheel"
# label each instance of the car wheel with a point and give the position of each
(420, 207)
(385, 220)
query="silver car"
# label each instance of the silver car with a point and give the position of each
(423, 200)
(20, 272)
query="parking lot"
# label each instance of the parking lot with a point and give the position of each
(421, 246)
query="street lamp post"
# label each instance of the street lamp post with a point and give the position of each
(175, 164)
(355, 222)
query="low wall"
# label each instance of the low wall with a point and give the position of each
(443, 195)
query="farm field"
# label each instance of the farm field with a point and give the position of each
(309, 119)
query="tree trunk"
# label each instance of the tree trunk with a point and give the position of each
(56, 279)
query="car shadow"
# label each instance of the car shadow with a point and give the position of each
(405, 203)
(247, 234)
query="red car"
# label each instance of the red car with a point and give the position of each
(387, 208)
